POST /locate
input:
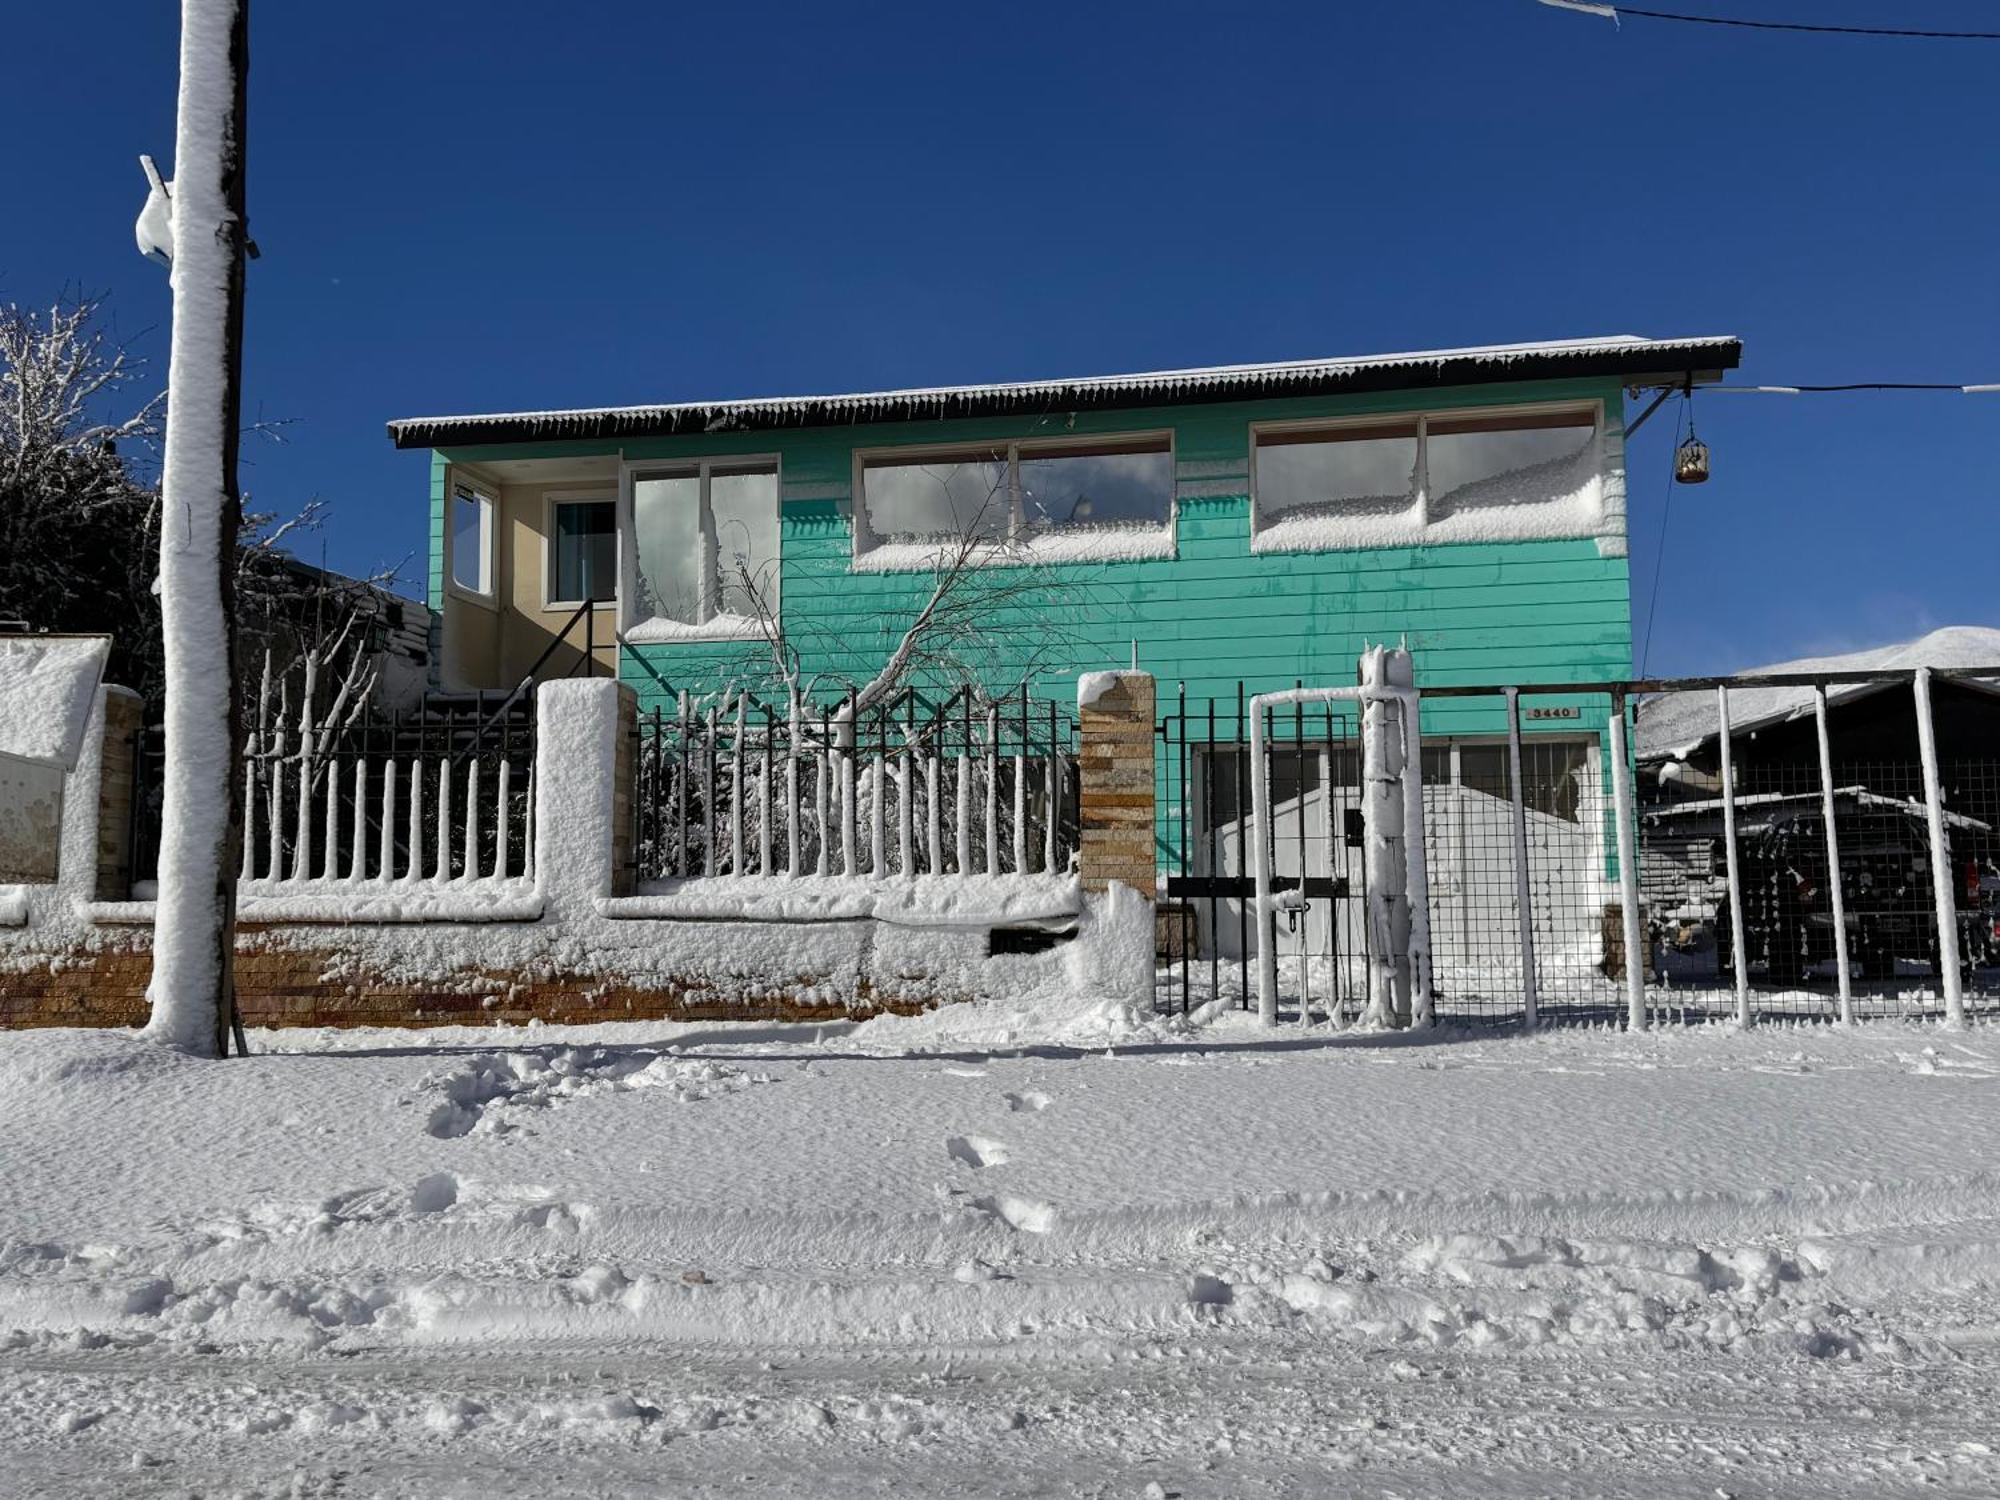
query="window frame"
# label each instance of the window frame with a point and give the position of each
(865, 542)
(630, 471)
(1417, 520)
(550, 500)
(489, 543)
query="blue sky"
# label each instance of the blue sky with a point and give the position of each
(479, 207)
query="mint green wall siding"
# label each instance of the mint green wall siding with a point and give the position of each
(1209, 617)
(434, 579)
(434, 594)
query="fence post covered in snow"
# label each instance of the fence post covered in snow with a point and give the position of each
(624, 771)
(1392, 834)
(1834, 888)
(1524, 910)
(1115, 767)
(578, 725)
(1738, 954)
(1943, 885)
(1628, 869)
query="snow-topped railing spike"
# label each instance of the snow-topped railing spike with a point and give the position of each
(325, 815)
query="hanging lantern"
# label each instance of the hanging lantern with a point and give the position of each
(1691, 461)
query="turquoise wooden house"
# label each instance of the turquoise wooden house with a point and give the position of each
(1236, 529)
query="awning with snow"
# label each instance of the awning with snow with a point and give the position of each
(1675, 725)
(1633, 360)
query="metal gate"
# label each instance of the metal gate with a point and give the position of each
(1312, 760)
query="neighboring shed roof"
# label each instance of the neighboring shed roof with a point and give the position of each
(1677, 724)
(1626, 356)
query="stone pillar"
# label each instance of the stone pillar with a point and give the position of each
(578, 728)
(115, 786)
(624, 818)
(1115, 766)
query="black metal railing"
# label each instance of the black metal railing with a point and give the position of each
(913, 785)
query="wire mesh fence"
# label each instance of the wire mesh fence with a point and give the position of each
(1791, 938)
(912, 786)
(1526, 891)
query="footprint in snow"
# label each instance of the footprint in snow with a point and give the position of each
(1026, 1215)
(1030, 1101)
(976, 1150)
(435, 1193)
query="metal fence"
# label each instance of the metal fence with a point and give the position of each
(911, 786)
(439, 795)
(1313, 762)
(1526, 864)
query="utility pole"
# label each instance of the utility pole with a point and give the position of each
(193, 988)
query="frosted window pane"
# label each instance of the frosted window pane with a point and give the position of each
(666, 537)
(744, 503)
(1346, 472)
(936, 500)
(1097, 489)
(471, 527)
(1470, 468)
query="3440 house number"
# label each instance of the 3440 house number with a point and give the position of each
(1555, 713)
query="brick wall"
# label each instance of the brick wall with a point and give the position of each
(286, 984)
(1115, 765)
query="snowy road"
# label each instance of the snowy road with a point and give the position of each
(650, 1259)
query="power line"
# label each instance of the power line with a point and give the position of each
(1618, 12)
(1859, 385)
(1660, 550)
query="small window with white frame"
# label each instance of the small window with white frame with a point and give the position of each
(472, 541)
(705, 546)
(1099, 497)
(1506, 474)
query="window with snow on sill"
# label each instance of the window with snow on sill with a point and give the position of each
(704, 554)
(1428, 478)
(1100, 500)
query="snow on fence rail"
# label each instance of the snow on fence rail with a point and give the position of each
(911, 787)
(442, 797)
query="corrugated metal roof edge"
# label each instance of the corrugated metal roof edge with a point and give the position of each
(1624, 357)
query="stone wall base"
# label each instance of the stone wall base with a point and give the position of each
(293, 986)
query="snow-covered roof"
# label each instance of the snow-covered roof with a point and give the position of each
(1626, 356)
(1676, 724)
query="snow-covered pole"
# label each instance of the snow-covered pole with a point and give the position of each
(1833, 859)
(192, 993)
(1628, 868)
(1943, 889)
(1389, 819)
(1416, 877)
(1523, 893)
(1738, 950)
(1260, 866)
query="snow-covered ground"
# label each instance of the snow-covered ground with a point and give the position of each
(982, 1252)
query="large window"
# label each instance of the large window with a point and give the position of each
(1019, 493)
(1431, 476)
(705, 542)
(583, 551)
(472, 540)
